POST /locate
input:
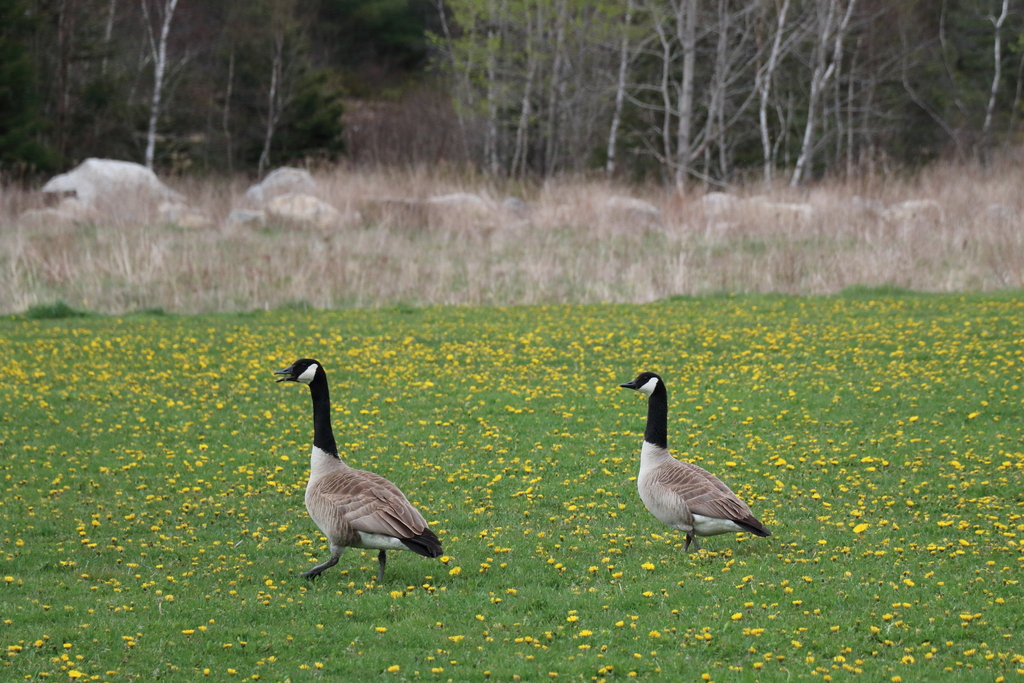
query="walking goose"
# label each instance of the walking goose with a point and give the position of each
(353, 508)
(680, 494)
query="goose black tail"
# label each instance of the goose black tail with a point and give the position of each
(426, 544)
(753, 526)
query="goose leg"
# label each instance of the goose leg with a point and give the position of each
(382, 558)
(690, 538)
(336, 552)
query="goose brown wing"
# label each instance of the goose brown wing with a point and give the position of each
(370, 503)
(706, 494)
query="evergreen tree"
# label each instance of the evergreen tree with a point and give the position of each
(20, 122)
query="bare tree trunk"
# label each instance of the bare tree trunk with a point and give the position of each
(455, 67)
(666, 93)
(491, 140)
(107, 34)
(765, 88)
(519, 153)
(550, 136)
(997, 50)
(715, 128)
(273, 105)
(620, 92)
(159, 49)
(686, 32)
(226, 123)
(849, 116)
(822, 73)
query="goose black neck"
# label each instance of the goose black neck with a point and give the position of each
(323, 435)
(657, 417)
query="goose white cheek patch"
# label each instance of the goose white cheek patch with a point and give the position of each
(649, 387)
(308, 374)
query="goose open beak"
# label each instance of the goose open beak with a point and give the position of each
(287, 372)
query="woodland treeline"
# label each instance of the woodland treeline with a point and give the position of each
(680, 91)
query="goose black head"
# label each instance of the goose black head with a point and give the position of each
(645, 383)
(303, 370)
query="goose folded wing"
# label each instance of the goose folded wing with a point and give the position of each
(720, 507)
(706, 494)
(379, 508)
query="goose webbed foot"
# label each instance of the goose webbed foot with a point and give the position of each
(319, 569)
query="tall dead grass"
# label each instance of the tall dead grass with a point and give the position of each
(565, 244)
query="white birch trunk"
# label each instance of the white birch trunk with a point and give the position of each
(620, 92)
(159, 67)
(491, 139)
(273, 108)
(822, 74)
(666, 96)
(764, 91)
(550, 140)
(686, 30)
(997, 25)
(107, 35)
(519, 153)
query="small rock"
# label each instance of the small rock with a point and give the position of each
(515, 206)
(243, 218)
(460, 200)
(281, 181)
(718, 203)
(303, 209)
(183, 215)
(871, 207)
(915, 210)
(631, 205)
(780, 210)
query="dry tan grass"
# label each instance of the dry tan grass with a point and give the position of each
(568, 246)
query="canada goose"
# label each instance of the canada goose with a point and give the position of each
(682, 495)
(353, 508)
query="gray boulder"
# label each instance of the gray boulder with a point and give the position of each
(110, 184)
(303, 209)
(281, 181)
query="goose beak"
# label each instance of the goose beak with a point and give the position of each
(629, 385)
(287, 372)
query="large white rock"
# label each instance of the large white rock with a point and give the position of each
(303, 209)
(281, 181)
(111, 183)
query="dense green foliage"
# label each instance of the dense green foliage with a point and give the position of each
(152, 523)
(20, 123)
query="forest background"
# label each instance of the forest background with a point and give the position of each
(671, 91)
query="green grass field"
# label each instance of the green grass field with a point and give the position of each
(152, 524)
